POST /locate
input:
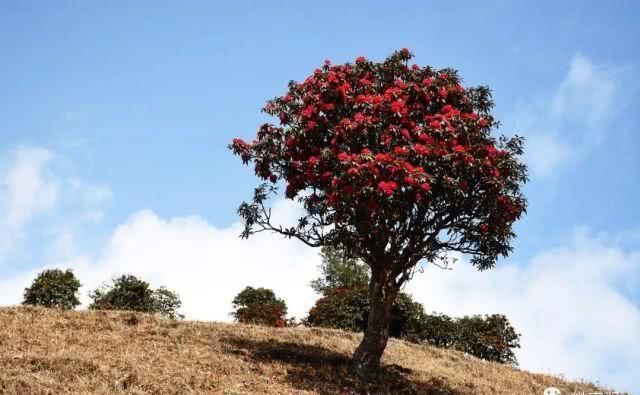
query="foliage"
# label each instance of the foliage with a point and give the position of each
(53, 288)
(341, 308)
(127, 292)
(384, 153)
(438, 330)
(259, 306)
(489, 337)
(167, 303)
(340, 271)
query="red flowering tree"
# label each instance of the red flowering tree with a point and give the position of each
(394, 164)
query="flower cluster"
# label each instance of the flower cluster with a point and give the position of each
(389, 137)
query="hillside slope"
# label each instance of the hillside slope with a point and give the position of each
(48, 351)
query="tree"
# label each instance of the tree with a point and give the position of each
(53, 288)
(394, 165)
(340, 271)
(259, 306)
(167, 303)
(127, 292)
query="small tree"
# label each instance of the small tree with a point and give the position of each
(53, 288)
(340, 271)
(167, 303)
(259, 306)
(394, 164)
(127, 292)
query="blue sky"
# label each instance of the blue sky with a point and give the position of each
(115, 116)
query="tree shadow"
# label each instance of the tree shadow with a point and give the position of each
(318, 369)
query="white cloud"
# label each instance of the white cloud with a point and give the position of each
(569, 125)
(29, 189)
(89, 193)
(26, 186)
(568, 303)
(26, 190)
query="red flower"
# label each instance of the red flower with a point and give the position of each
(469, 115)
(400, 150)
(459, 148)
(482, 122)
(343, 157)
(387, 187)
(313, 160)
(382, 157)
(443, 93)
(353, 171)
(420, 149)
(446, 109)
(435, 124)
(240, 142)
(360, 59)
(425, 186)
(358, 117)
(397, 106)
(362, 99)
(409, 180)
(365, 151)
(425, 138)
(428, 81)
(311, 124)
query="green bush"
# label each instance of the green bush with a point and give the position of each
(259, 306)
(490, 337)
(127, 292)
(340, 308)
(53, 288)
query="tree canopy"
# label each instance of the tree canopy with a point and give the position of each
(53, 288)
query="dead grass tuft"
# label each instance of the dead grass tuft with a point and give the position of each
(49, 351)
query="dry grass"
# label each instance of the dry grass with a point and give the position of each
(48, 351)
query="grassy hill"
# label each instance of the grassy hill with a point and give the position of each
(48, 351)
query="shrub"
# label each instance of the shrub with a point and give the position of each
(437, 329)
(127, 292)
(53, 288)
(341, 308)
(259, 306)
(490, 337)
(348, 309)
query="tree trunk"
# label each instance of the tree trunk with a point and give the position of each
(366, 358)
